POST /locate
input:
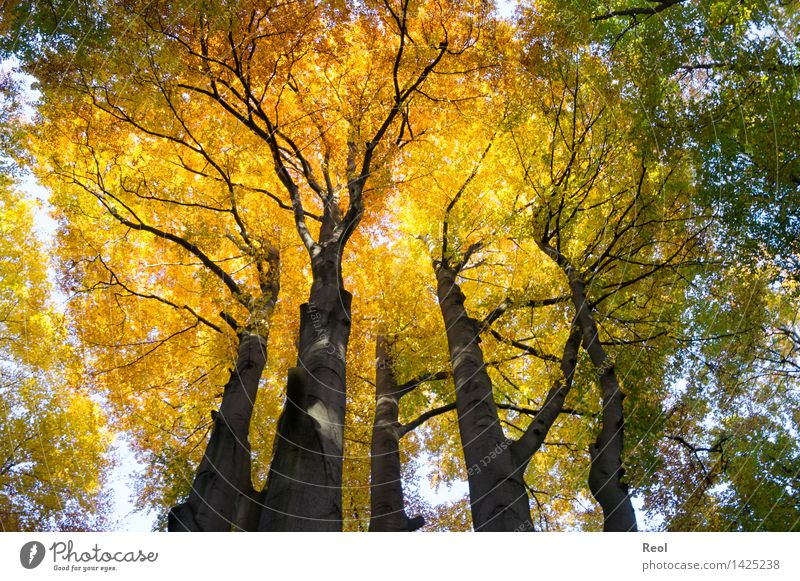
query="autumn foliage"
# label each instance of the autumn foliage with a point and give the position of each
(317, 260)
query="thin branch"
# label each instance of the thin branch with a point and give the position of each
(660, 5)
(422, 418)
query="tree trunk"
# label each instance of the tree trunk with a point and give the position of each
(498, 498)
(248, 511)
(606, 472)
(223, 477)
(304, 487)
(388, 510)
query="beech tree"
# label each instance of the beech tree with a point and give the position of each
(387, 511)
(511, 253)
(350, 136)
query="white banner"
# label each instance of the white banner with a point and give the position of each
(399, 556)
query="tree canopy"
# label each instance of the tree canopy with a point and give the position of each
(321, 258)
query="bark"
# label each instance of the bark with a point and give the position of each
(223, 477)
(248, 510)
(386, 489)
(498, 497)
(656, 7)
(304, 486)
(606, 472)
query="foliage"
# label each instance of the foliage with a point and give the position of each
(652, 153)
(54, 444)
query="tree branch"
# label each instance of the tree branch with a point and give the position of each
(532, 439)
(660, 5)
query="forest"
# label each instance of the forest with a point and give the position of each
(399, 265)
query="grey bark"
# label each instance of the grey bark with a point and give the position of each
(498, 497)
(248, 510)
(606, 471)
(386, 488)
(304, 484)
(223, 477)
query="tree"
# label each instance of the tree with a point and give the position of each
(647, 231)
(225, 165)
(210, 59)
(719, 79)
(495, 464)
(386, 492)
